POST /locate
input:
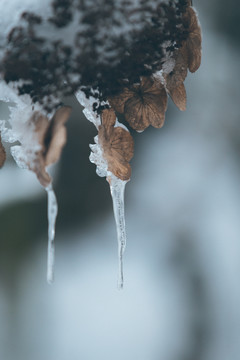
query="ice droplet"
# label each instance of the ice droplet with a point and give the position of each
(52, 214)
(117, 188)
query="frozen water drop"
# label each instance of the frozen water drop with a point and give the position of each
(117, 188)
(52, 214)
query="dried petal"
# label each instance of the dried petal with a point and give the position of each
(135, 113)
(2, 153)
(40, 170)
(122, 142)
(179, 97)
(51, 137)
(194, 40)
(117, 102)
(117, 146)
(147, 106)
(108, 120)
(194, 52)
(119, 166)
(56, 135)
(179, 72)
(140, 112)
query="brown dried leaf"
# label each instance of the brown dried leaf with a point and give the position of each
(117, 145)
(2, 153)
(179, 97)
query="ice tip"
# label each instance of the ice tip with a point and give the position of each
(120, 284)
(50, 279)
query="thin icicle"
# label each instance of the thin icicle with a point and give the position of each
(117, 188)
(52, 214)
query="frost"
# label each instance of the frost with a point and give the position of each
(96, 157)
(88, 108)
(19, 156)
(6, 133)
(52, 215)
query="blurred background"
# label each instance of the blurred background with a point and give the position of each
(181, 298)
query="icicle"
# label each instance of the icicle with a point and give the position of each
(117, 188)
(52, 214)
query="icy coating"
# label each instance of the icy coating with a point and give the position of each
(52, 215)
(117, 186)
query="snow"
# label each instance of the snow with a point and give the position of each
(125, 21)
(91, 115)
(11, 12)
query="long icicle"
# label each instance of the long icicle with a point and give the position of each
(117, 188)
(52, 215)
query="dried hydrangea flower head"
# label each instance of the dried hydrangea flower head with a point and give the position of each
(117, 145)
(51, 137)
(2, 153)
(143, 104)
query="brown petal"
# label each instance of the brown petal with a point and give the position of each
(39, 169)
(117, 102)
(179, 72)
(147, 84)
(108, 117)
(179, 97)
(194, 52)
(122, 142)
(56, 135)
(117, 145)
(135, 114)
(2, 153)
(150, 109)
(118, 166)
(41, 124)
(194, 40)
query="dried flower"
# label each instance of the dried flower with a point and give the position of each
(2, 153)
(117, 145)
(51, 137)
(143, 104)
(194, 40)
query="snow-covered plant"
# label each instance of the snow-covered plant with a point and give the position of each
(117, 57)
